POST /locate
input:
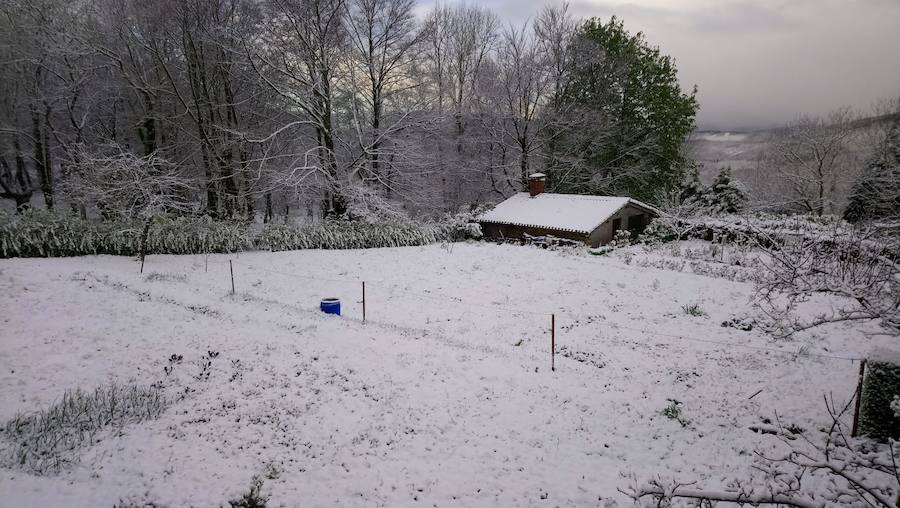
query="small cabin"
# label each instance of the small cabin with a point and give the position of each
(593, 220)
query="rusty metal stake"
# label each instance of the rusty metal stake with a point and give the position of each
(364, 300)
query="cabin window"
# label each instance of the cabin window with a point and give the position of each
(636, 223)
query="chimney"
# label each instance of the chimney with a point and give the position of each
(536, 183)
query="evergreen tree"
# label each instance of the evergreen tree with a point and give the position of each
(724, 195)
(876, 195)
(627, 116)
(692, 189)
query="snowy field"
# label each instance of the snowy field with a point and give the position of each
(444, 396)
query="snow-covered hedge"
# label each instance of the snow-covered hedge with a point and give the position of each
(350, 235)
(761, 227)
(877, 417)
(44, 234)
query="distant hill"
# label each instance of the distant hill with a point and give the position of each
(717, 149)
(741, 150)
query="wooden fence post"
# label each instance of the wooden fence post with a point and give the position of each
(859, 386)
(231, 269)
(553, 342)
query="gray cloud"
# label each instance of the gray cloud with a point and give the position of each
(762, 62)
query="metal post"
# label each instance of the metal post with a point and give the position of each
(364, 300)
(231, 269)
(553, 342)
(862, 372)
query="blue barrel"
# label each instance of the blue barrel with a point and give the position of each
(330, 306)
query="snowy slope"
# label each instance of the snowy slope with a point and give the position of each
(443, 397)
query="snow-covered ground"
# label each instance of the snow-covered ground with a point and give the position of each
(444, 396)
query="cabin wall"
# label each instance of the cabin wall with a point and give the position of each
(496, 231)
(632, 217)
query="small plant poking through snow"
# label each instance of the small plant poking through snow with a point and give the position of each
(46, 441)
(205, 365)
(252, 499)
(173, 361)
(693, 309)
(673, 412)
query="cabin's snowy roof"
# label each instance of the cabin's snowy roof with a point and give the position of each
(566, 212)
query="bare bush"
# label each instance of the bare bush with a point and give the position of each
(124, 184)
(850, 263)
(829, 468)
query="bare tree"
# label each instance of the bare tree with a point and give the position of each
(123, 184)
(814, 158)
(525, 75)
(297, 57)
(875, 196)
(459, 40)
(384, 39)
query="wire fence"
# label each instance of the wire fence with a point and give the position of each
(551, 317)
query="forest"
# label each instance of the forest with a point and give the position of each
(248, 110)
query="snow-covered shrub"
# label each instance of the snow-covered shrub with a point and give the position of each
(743, 324)
(758, 228)
(193, 235)
(47, 234)
(721, 271)
(464, 225)
(674, 412)
(252, 499)
(693, 309)
(878, 404)
(165, 277)
(341, 234)
(48, 440)
(473, 231)
(675, 265)
(622, 238)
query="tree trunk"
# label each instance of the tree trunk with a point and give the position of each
(268, 215)
(145, 234)
(376, 125)
(42, 155)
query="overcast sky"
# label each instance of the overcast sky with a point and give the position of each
(759, 63)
